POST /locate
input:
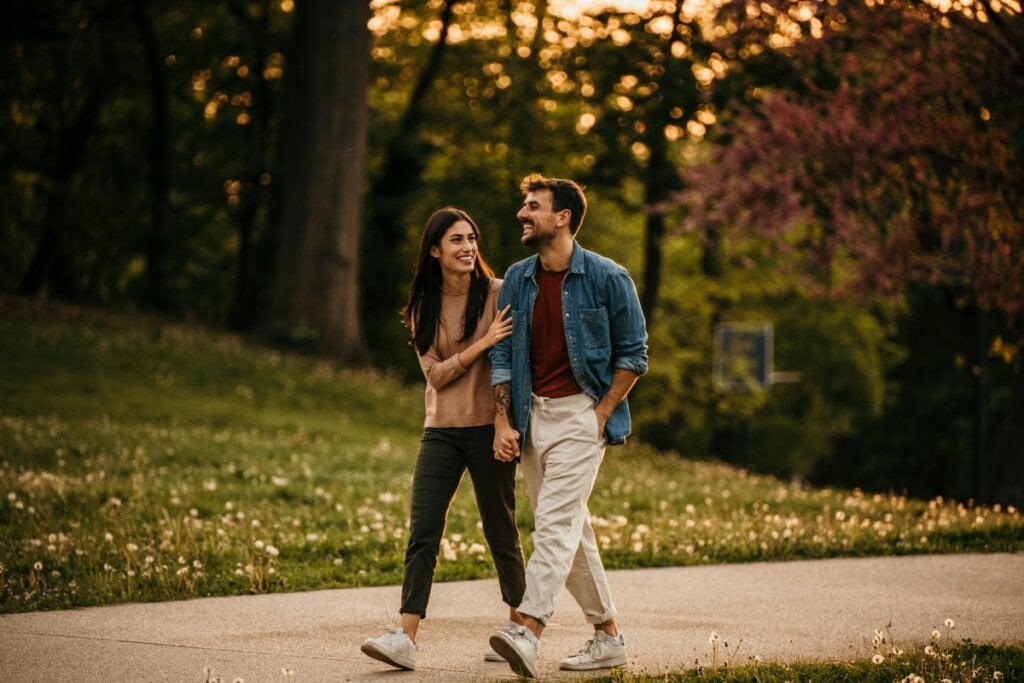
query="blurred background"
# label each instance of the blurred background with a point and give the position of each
(821, 202)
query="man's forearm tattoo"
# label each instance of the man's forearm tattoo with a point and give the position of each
(503, 398)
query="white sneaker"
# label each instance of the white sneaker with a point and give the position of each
(519, 647)
(490, 655)
(395, 648)
(601, 652)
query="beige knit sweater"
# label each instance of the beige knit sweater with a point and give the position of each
(457, 396)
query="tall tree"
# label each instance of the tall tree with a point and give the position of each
(397, 180)
(317, 277)
(155, 287)
(260, 147)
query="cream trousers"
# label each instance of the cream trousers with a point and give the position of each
(561, 456)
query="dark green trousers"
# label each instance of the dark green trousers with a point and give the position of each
(445, 454)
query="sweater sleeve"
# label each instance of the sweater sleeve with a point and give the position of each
(440, 372)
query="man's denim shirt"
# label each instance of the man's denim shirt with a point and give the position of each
(604, 331)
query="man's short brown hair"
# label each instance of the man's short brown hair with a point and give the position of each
(565, 194)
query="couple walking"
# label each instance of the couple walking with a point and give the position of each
(534, 370)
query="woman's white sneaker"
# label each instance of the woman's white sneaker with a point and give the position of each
(394, 648)
(601, 652)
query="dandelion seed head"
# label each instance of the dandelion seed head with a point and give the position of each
(936, 635)
(950, 623)
(38, 566)
(259, 544)
(713, 638)
(108, 537)
(929, 650)
(273, 551)
(878, 659)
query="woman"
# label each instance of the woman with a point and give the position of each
(453, 317)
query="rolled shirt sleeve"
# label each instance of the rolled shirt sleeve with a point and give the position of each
(628, 327)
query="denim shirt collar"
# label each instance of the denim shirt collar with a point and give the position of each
(577, 264)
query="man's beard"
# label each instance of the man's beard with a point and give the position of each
(536, 239)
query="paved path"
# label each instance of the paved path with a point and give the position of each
(825, 609)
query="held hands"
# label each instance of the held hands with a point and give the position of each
(500, 328)
(506, 443)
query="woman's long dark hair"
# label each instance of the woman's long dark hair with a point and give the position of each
(423, 311)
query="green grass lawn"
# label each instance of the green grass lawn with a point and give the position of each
(961, 662)
(147, 460)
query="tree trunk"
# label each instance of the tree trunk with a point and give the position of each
(392, 188)
(155, 243)
(71, 143)
(1003, 481)
(254, 256)
(316, 283)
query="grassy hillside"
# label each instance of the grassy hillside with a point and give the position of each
(145, 460)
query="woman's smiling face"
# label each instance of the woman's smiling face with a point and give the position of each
(457, 251)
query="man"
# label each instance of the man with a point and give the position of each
(578, 345)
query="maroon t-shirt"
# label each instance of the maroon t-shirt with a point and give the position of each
(549, 356)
